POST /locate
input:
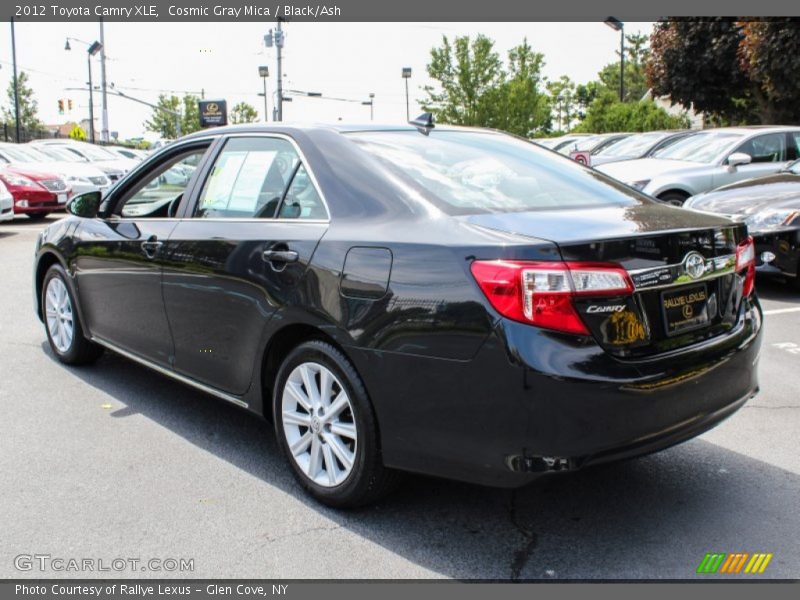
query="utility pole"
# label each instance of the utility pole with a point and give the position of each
(16, 83)
(104, 126)
(276, 38)
(279, 46)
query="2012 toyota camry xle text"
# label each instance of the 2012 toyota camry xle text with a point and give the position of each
(454, 302)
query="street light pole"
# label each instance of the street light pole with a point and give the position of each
(16, 82)
(407, 76)
(91, 99)
(263, 71)
(104, 130)
(370, 103)
(93, 49)
(618, 25)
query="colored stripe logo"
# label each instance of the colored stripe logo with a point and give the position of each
(734, 563)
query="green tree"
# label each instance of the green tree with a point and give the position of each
(244, 113)
(190, 120)
(521, 107)
(77, 133)
(468, 73)
(164, 121)
(607, 114)
(475, 88)
(637, 54)
(28, 106)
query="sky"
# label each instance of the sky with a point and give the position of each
(340, 60)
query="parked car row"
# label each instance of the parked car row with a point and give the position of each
(42, 175)
(749, 174)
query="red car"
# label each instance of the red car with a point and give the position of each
(35, 194)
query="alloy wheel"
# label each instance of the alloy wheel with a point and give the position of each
(319, 424)
(58, 312)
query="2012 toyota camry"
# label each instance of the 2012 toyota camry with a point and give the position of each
(455, 302)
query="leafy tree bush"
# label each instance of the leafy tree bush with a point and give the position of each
(607, 114)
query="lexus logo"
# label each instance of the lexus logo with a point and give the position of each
(694, 265)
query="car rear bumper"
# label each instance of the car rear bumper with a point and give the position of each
(532, 401)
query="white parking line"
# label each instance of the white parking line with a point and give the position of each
(21, 229)
(780, 311)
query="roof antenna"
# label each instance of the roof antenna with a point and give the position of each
(423, 123)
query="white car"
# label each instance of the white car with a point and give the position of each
(80, 176)
(112, 165)
(124, 152)
(6, 203)
(708, 160)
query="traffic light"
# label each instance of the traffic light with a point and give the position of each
(69, 105)
(61, 107)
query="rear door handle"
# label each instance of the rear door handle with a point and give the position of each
(280, 256)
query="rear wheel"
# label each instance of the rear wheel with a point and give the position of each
(62, 323)
(37, 216)
(674, 198)
(327, 429)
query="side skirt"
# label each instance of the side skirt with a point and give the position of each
(177, 376)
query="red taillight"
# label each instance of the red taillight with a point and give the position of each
(746, 261)
(541, 293)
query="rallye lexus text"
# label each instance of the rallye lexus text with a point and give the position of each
(448, 301)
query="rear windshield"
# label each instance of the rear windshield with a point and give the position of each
(469, 172)
(702, 147)
(634, 145)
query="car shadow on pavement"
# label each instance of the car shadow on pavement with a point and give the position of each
(775, 288)
(654, 517)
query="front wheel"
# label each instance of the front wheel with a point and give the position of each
(327, 429)
(62, 323)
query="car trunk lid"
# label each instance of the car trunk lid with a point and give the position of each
(682, 265)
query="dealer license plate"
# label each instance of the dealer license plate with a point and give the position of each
(62, 198)
(685, 309)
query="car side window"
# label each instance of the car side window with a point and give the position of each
(302, 200)
(765, 148)
(159, 193)
(249, 179)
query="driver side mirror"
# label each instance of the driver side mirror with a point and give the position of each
(739, 158)
(85, 205)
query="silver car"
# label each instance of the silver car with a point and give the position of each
(708, 160)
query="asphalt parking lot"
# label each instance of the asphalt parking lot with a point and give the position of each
(115, 461)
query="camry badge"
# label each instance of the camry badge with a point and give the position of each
(694, 265)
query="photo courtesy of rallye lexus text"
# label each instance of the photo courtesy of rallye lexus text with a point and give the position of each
(449, 301)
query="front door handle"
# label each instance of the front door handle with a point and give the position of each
(280, 256)
(151, 247)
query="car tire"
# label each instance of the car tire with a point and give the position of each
(673, 198)
(336, 456)
(37, 216)
(62, 322)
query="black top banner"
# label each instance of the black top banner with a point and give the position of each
(372, 10)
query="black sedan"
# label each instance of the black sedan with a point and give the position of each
(455, 302)
(770, 206)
